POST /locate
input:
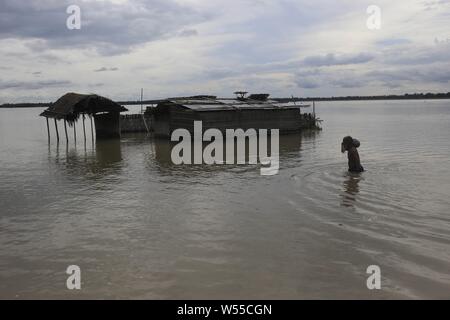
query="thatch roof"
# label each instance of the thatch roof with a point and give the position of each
(71, 105)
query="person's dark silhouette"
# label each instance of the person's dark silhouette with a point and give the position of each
(349, 144)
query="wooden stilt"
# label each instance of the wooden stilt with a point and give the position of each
(92, 127)
(84, 129)
(145, 123)
(48, 129)
(57, 133)
(75, 132)
(65, 130)
(142, 97)
(314, 109)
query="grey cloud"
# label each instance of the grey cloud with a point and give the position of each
(424, 75)
(307, 83)
(393, 77)
(349, 82)
(188, 33)
(306, 71)
(221, 73)
(402, 66)
(21, 85)
(315, 78)
(103, 69)
(392, 42)
(96, 85)
(435, 4)
(411, 55)
(109, 28)
(334, 60)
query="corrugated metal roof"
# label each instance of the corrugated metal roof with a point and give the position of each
(206, 107)
(222, 104)
(194, 102)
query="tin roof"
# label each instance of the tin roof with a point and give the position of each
(228, 104)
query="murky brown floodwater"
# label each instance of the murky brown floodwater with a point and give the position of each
(140, 227)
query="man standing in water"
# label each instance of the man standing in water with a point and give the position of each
(349, 144)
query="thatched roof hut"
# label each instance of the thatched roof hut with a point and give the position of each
(71, 105)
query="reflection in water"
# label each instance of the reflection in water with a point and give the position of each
(108, 152)
(100, 160)
(289, 148)
(351, 189)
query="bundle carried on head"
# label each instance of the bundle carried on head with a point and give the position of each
(349, 142)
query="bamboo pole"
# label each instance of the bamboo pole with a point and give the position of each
(145, 123)
(84, 129)
(48, 129)
(92, 127)
(65, 130)
(57, 133)
(74, 132)
(142, 97)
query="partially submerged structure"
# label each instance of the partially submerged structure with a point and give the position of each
(257, 112)
(71, 106)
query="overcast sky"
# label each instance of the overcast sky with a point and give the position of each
(187, 47)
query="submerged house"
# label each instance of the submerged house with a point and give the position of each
(257, 112)
(71, 106)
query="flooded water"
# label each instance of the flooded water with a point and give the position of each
(140, 227)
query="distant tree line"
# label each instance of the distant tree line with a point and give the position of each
(25, 105)
(407, 96)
